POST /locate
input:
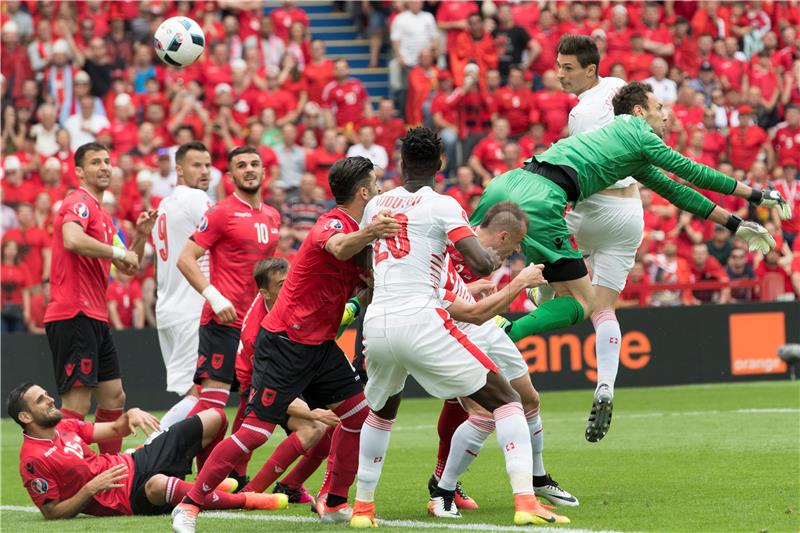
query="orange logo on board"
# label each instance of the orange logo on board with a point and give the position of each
(756, 353)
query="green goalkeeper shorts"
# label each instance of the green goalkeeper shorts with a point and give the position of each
(547, 240)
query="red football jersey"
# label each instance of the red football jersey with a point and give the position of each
(457, 260)
(247, 341)
(346, 99)
(515, 105)
(78, 284)
(236, 237)
(55, 470)
(309, 306)
(318, 75)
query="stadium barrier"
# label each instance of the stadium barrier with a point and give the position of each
(659, 346)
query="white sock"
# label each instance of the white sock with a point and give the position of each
(372, 451)
(515, 442)
(178, 411)
(465, 445)
(537, 441)
(607, 345)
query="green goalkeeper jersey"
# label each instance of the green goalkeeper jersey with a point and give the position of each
(629, 147)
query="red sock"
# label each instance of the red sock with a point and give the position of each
(251, 435)
(452, 416)
(177, 489)
(69, 413)
(209, 399)
(108, 415)
(310, 461)
(283, 456)
(241, 467)
(202, 457)
(345, 442)
(326, 479)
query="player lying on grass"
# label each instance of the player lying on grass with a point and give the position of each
(577, 167)
(409, 329)
(64, 477)
(501, 230)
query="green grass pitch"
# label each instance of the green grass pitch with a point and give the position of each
(711, 458)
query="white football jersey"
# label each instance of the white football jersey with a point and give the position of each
(595, 110)
(408, 269)
(178, 217)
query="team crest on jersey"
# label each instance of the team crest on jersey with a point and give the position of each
(201, 361)
(39, 485)
(86, 366)
(268, 397)
(216, 360)
(69, 368)
(81, 210)
(334, 224)
(203, 224)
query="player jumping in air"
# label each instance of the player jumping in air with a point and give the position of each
(295, 351)
(408, 331)
(179, 306)
(579, 166)
(237, 233)
(64, 477)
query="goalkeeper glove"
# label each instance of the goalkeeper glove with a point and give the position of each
(772, 198)
(756, 236)
(351, 310)
(503, 323)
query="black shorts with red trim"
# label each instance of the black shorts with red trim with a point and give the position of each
(284, 370)
(216, 354)
(171, 453)
(83, 352)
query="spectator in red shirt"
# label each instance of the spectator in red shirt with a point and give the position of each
(421, 80)
(16, 65)
(16, 190)
(33, 245)
(694, 150)
(451, 17)
(543, 46)
(473, 45)
(774, 280)
(388, 128)
(633, 295)
(125, 307)
(790, 191)
(738, 268)
(787, 137)
(515, 102)
(619, 34)
(123, 124)
(656, 35)
(714, 142)
(445, 116)
(732, 71)
(668, 267)
(345, 100)
(464, 188)
(552, 106)
(704, 267)
(14, 282)
(746, 140)
(318, 72)
(686, 110)
(487, 156)
(283, 17)
(320, 160)
(512, 157)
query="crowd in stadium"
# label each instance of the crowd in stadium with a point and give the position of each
(483, 74)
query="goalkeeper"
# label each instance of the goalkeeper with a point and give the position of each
(576, 167)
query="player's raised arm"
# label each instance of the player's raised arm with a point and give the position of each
(480, 260)
(484, 310)
(343, 246)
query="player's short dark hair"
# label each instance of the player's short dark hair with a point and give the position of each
(264, 269)
(504, 215)
(239, 150)
(347, 175)
(83, 149)
(421, 152)
(16, 402)
(631, 95)
(580, 46)
(180, 155)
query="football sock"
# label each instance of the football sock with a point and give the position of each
(177, 489)
(450, 418)
(553, 314)
(69, 413)
(108, 415)
(326, 479)
(209, 399)
(607, 346)
(344, 445)
(251, 435)
(515, 441)
(310, 461)
(179, 411)
(537, 441)
(468, 440)
(283, 456)
(374, 443)
(241, 466)
(201, 457)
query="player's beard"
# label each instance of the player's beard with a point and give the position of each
(49, 420)
(244, 186)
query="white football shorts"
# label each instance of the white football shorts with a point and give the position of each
(499, 347)
(179, 351)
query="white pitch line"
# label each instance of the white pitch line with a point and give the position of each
(413, 524)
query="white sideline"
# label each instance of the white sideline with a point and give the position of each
(390, 523)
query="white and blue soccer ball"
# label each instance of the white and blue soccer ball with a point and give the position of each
(179, 41)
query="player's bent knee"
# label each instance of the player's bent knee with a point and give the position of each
(155, 489)
(213, 421)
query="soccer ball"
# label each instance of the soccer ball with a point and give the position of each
(179, 41)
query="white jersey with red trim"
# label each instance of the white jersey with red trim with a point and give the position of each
(408, 268)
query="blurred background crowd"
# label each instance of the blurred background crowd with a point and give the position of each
(482, 73)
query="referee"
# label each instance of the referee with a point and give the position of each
(76, 320)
